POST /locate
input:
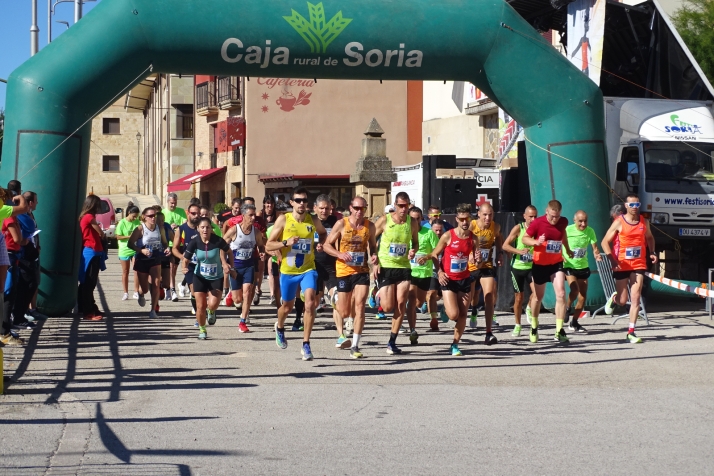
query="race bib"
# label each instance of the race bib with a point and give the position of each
(485, 254)
(579, 252)
(357, 259)
(208, 270)
(243, 254)
(526, 258)
(397, 250)
(193, 259)
(302, 247)
(317, 236)
(415, 261)
(553, 246)
(633, 252)
(155, 247)
(458, 265)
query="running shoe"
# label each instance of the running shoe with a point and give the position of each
(136, 295)
(534, 335)
(174, 297)
(256, 298)
(24, 325)
(610, 304)
(402, 329)
(157, 309)
(380, 316)
(516, 330)
(280, 338)
(561, 337)
(633, 339)
(223, 301)
(568, 313)
(91, 317)
(434, 325)
(414, 337)
(272, 300)
(576, 327)
(243, 327)
(297, 326)
(180, 290)
(29, 318)
(490, 339)
(239, 306)
(343, 342)
(11, 339)
(37, 315)
(142, 300)
(455, 350)
(424, 309)
(195, 323)
(193, 311)
(152, 314)
(392, 349)
(442, 315)
(350, 325)
(372, 301)
(203, 335)
(306, 352)
(125, 296)
(334, 298)
(162, 294)
(472, 322)
(494, 322)
(211, 315)
(529, 314)
(355, 353)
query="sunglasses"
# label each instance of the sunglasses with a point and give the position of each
(402, 205)
(300, 200)
(465, 219)
(359, 209)
(434, 214)
(633, 205)
(150, 216)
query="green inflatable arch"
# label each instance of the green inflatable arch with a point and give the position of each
(52, 98)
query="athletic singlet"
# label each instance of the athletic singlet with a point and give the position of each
(485, 239)
(455, 262)
(208, 256)
(632, 254)
(522, 261)
(322, 259)
(394, 246)
(186, 234)
(242, 247)
(354, 242)
(300, 257)
(151, 240)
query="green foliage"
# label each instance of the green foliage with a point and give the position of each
(316, 33)
(220, 208)
(695, 24)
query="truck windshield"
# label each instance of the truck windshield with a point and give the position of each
(679, 167)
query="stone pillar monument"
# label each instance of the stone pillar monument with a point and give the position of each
(373, 174)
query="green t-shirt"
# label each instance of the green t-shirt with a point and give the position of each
(176, 217)
(578, 242)
(126, 228)
(5, 212)
(274, 259)
(216, 230)
(427, 242)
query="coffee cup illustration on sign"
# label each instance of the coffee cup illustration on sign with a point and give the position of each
(287, 101)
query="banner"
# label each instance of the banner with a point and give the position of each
(586, 27)
(410, 179)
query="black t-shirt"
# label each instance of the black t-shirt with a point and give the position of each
(322, 258)
(187, 235)
(225, 216)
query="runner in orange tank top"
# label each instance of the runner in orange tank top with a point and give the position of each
(630, 264)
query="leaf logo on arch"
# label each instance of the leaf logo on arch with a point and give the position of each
(318, 33)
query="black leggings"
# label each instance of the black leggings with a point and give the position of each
(85, 292)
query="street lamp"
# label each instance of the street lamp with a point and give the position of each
(51, 11)
(138, 149)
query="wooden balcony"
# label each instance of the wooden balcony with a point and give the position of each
(229, 92)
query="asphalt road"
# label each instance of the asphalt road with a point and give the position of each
(135, 396)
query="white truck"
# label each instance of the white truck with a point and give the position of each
(663, 151)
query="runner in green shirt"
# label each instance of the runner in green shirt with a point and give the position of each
(577, 270)
(125, 228)
(175, 217)
(422, 271)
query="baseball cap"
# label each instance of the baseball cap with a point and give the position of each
(389, 209)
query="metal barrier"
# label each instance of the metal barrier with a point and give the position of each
(608, 285)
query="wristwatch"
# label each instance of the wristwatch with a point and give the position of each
(285, 243)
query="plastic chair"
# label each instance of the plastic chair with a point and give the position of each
(604, 269)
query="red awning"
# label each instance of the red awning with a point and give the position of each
(287, 177)
(274, 178)
(185, 182)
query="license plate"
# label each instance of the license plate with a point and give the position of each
(694, 232)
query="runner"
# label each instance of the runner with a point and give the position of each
(275, 257)
(182, 236)
(124, 229)
(393, 272)
(488, 234)
(234, 211)
(459, 247)
(293, 234)
(210, 253)
(521, 266)
(629, 265)
(548, 264)
(324, 263)
(259, 223)
(174, 216)
(269, 215)
(164, 289)
(243, 240)
(150, 243)
(434, 293)
(577, 270)
(422, 272)
(356, 236)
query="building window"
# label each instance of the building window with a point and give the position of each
(184, 122)
(236, 157)
(110, 163)
(213, 161)
(110, 125)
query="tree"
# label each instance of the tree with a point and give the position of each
(695, 24)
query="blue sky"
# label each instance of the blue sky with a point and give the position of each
(15, 21)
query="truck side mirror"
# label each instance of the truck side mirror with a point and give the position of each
(621, 172)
